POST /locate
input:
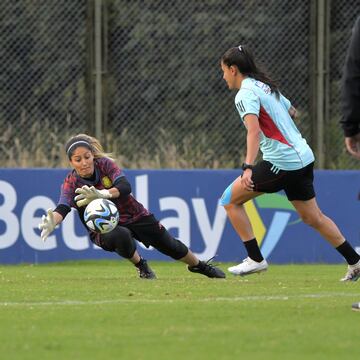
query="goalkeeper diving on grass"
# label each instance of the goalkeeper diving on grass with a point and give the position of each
(96, 176)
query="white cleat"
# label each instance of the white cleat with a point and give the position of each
(356, 306)
(248, 266)
(353, 272)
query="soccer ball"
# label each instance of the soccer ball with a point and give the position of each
(101, 216)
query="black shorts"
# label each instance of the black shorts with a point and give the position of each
(297, 184)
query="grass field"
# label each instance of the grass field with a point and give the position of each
(101, 310)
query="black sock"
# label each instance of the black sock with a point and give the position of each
(199, 265)
(141, 262)
(253, 250)
(347, 251)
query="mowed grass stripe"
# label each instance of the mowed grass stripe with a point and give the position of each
(169, 301)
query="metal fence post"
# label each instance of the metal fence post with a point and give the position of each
(98, 68)
(320, 73)
(327, 85)
(322, 79)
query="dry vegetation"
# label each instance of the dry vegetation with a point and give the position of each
(34, 146)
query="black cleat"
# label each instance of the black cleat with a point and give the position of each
(356, 306)
(207, 269)
(144, 270)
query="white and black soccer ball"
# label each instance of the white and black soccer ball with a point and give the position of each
(101, 216)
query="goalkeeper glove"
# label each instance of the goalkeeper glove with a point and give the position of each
(47, 225)
(87, 194)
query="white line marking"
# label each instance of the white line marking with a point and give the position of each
(155, 301)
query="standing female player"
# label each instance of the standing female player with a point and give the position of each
(95, 175)
(287, 161)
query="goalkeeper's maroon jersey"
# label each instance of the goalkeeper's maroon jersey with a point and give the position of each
(106, 174)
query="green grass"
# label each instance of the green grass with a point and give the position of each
(101, 310)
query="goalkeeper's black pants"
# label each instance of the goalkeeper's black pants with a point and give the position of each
(149, 231)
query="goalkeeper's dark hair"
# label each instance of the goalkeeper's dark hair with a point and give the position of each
(242, 57)
(88, 141)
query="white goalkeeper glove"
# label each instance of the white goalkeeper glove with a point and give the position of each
(47, 225)
(88, 194)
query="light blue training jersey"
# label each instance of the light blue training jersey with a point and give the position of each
(281, 142)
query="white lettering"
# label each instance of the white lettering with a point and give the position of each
(142, 190)
(9, 237)
(211, 234)
(182, 221)
(142, 196)
(71, 240)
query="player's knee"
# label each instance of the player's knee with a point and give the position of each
(178, 250)
(229, 207)
(171, 247)
(225, 199)
(127, 250)
(120, 240)
(312, 219)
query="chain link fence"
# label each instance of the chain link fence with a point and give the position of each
(164, 101)
(168, 103)
(43, 86)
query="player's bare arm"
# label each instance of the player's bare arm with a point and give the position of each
(293, 112)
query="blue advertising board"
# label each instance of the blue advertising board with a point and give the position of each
(187, 203)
